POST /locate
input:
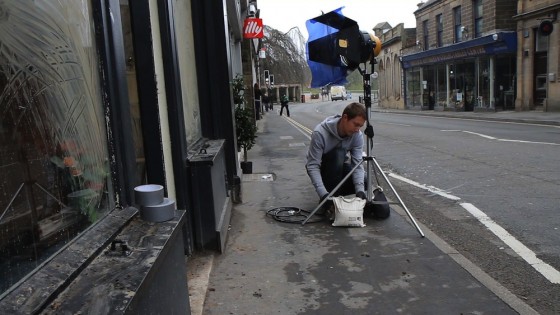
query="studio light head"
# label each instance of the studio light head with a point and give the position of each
(336, 47)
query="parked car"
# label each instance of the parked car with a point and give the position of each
(338, 92)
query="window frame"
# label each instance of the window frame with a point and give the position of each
(458, 32)
(439, 29)
(426, 34)
(478, 18)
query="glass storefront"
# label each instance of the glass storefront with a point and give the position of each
(474, 75)
(505, 82)
(413, 87)
(469, 82)
(441, 86)
(53, 142)
(462, 85)
(483, 86)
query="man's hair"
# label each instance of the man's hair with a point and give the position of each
(355, 109)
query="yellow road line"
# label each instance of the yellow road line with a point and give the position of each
(298, 125)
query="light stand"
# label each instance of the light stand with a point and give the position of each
(371, 162)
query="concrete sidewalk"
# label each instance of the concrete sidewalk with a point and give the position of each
(271, 267)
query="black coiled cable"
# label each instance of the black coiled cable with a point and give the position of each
(293, 215)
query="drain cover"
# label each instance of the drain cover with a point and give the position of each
(299, 144)
(259, 177)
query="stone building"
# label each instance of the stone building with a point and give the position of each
(391, 94)
(538, 55)
(464, 58)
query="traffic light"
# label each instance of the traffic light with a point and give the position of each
(266, 73)
(271, 77)
(546, 27)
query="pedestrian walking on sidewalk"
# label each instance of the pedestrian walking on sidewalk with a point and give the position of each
(336, 148)
(266, 102)
(284, 104)
(258, 106)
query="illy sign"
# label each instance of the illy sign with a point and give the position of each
(253, 28)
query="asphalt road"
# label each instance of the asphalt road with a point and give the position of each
(490, 189)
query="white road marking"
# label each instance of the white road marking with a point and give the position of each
(523, 251)
(504, 140)
(528, 255)
(395, 124)
(431, 189)
(483, 120)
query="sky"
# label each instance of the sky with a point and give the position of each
(285, 14)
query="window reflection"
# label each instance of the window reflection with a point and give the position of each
(53, 150)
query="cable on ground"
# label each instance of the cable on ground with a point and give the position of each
(293, 215)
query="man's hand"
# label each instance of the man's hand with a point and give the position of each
(361, 194)
(324, 196)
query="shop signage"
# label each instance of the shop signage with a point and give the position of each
(502, 43)
(253, 28)
(458, 54)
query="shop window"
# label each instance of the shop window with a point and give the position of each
(505, 81)
(441, 86)
(413, 87)
(428, 86)
(53, 148)
(540, 68)
(483, 86)
(462, 81)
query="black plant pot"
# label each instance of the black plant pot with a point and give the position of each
(247, 167)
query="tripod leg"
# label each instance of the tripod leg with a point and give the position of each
(398, 197)
(332, 192)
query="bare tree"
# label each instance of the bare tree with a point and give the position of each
(285, 56)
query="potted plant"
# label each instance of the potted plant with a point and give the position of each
(246, 129)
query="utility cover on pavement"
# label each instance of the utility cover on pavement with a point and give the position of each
(259, 177)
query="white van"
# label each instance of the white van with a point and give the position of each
(338, 92)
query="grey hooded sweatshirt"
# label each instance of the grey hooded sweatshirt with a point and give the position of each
(325, 138)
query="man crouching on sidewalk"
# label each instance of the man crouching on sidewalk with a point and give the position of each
(328, 160)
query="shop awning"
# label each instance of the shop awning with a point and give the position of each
(499, 43)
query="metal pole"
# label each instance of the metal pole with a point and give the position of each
(399, 198)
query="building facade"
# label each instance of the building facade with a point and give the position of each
(99, 97)
(464, 58)
(538, 52)
(389, 67)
